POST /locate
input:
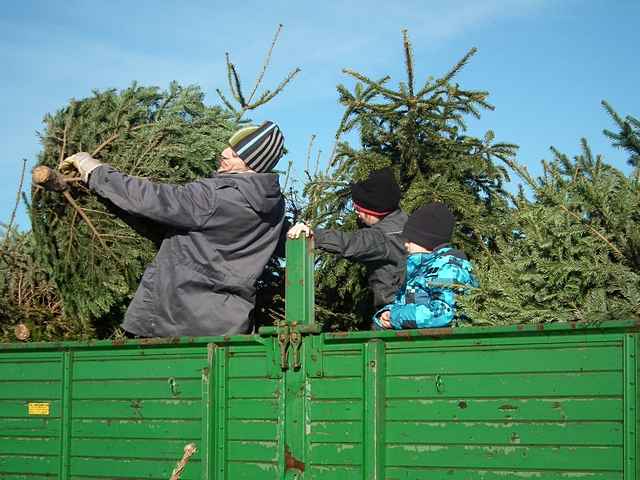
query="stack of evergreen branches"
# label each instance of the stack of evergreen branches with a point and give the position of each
(570, 253)
(27, 296)
(169, 136)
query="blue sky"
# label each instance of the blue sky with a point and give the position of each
(547, 63)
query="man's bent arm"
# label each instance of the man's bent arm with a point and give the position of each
(181, 206)
(365, 245)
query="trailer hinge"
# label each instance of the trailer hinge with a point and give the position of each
(289, 337)
(283, 341)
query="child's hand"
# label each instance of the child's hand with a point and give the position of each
(297, 229)
(385, 319)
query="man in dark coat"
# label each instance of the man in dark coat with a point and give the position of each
(221, 232)
(379, 245)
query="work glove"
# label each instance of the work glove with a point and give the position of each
(81, 161)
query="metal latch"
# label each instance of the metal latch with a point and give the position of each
(283, 341)
(289, 337)
(296, 342)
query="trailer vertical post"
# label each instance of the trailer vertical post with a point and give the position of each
(630, 407)
(299, 306)
(373, 419)
(65, 414)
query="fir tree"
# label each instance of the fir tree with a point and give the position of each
(570, 253)
(628, 138)
(421, 132)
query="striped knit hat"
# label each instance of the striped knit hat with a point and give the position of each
(259, 147)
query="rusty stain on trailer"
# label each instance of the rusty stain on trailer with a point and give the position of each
(160, 341)
(339, 334)
(292, 462)
(434, 333)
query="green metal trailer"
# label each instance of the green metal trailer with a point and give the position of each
(536, 402)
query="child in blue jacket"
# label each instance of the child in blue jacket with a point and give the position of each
(435, 272)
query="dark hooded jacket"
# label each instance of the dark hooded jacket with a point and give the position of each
(379, 247)
(222, 232)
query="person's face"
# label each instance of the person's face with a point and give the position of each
(230, 162)
(414, 248)
(366, 218)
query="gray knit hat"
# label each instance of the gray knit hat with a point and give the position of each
(259, 147)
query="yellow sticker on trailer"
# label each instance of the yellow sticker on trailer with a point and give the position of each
(38, 408)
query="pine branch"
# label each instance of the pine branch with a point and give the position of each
(615, 250)
(318, 157)
(458, 66)
(233, 78)
(334, 148)
(286, 180)
(408, 59)
(64, 135)
(353, 103)
(150, 146)
(613, 114)
(266, 63)
(268, 95)
(15, 207)
(377, 86)
(73, 203)
(345, 94)
(115, 136)
(225, 101)
(70, 235)
(429, 87)
(237, 86)
(628, 138)
(230, 79)
(173, 93)
(308, 158)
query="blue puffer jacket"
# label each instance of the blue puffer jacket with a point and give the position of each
(428, 295)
